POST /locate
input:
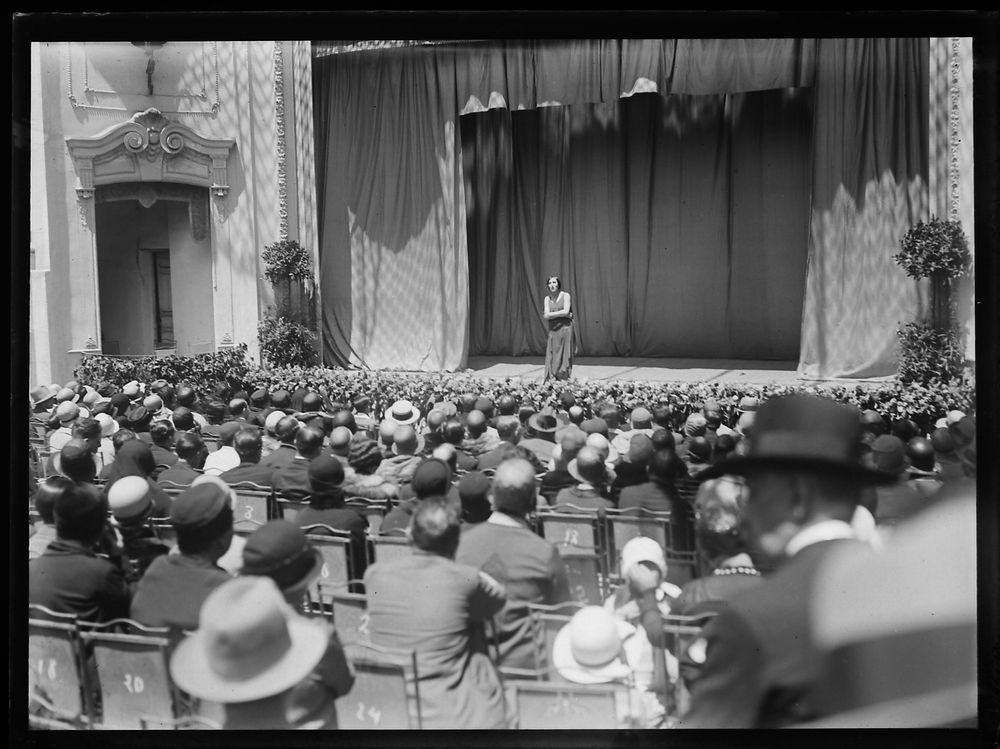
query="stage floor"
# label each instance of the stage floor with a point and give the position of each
(745, 371)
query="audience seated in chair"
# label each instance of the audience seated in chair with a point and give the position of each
(292, 480)
(326, 507)
(132, 506)
(135, 458)
(250, 470)
(280, 551)
(191, 456)
(435, 606)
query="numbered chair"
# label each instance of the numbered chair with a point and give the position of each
(662, 527)
(58, 694)
(541, 705)
(579, 536)
(253, 504)
(288, 508)
(350, 615)
(132, 675)
(391, 545)
(335, 546)
(386, 693)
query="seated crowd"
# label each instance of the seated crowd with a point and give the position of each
(133, 491)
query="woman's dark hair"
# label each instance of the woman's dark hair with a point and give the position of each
(556, 279)
(46, 495)
(81, 513)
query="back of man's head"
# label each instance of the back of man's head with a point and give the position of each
(183, 419)
(87, 429)
(344, 418)
(453, 431)
(664, 466)
(386, 431)
(81, 513)
(248, 445)
(466, 402)
(570, 439)
(920, 453)
(435, 418)
(508, 428)
(286, 429)
(120, 437)
(476, 423)
(514, 490)
(507, 405)
(237, 408)
(431, 478)
(436, 525)
(162, 433)
(190, 447)
(661, 415)
(340, 441)
(663, 439)
(404, 440)
(186, 396)
(485, 404)
(215, 411)
(309, 441)
(576, 415)
(47, 493)
(76, 461)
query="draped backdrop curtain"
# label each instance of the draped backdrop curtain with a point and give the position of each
(668, 181)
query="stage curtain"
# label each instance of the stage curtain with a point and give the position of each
(869, 186)
(652, 211)
(394, 260)
(393, 252)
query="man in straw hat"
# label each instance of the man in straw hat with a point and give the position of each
(249, 651)
(435, 606)
(132, 506)
(280, 551)
(804, 479)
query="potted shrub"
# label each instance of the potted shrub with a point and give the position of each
(285, 332)
(938, 250)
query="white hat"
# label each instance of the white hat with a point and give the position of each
(108, 425)
(643, 549)
(954, 417)
(129, 498)
(402, 412)
(249, 644)
(131, 389)
(272, 420)
(601, 443)
(589, 649)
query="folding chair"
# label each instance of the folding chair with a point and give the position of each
(165, 531)
(211, 443)
(546, 621)
(578, 534)
(335, 546)
(682, 631)
(253, 504)
(386, 546)
(58, 693)
(373, 510)
(132, 675)
(288, 508)
(662, 527)
(541, 705)
(386, 692)
(350, 615)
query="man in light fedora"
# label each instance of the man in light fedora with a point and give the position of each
(249, 651)
(540, 434)
(804, 480)
(280, 551)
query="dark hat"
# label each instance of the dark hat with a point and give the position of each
(280, 550)
(228, 430)
(344, 418)
(202, 509)
(805, 433)
(888, 453)
(963, 431)
(42, 394)
(363, 451)
(699, 450)
(640, 450)
(748, 404)
(325, 472)
(432, 476)
(137, 415)
(920, 453)
(473, 486)
(121, 404)
(74, 449)
(259, 397)
(546, 422)
(106, 389)
(942, 441)
(281, 399)
(595, 426)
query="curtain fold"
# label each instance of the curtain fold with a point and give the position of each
(652, 212)
(869, 186)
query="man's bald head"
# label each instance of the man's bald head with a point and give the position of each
(514, 490)
(404, 439)
(340, 441)
(309, 441)
(476, 423)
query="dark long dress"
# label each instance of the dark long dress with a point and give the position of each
(559, 351)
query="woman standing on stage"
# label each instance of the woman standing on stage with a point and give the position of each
(559, 351)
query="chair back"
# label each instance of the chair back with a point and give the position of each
(288, 508)
(385, 547)
(682, 632)
(335, 547)
(373, 510)
(350, 615)
(133, 677)
(579, 536)
(546, 621)
(165, 531)
(662, 527)
(385, 694)
(548, 705)
(211, 443)
(253, 504)
(57, 692)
